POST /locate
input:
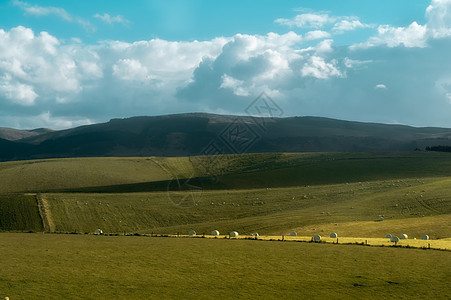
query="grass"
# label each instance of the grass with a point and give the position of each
(78, 266)
(19, 213)
(415, 206)
(268, 193)
(439, 226)
(273, 194)
(229, 172)
(43, 175)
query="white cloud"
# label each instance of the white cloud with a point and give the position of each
(43, 66)
(308, 20)
(234, 84)
(112, 19)
(18, 93)
(414, 35)
(321, 20)
(47, 120)
(130, 69)
(39, 64)
(249, 65)
(380, 86)
(316, 35)
(317, 67)
(438, 14)
(42, 11)
(354, 63)
(37, 10)
(348, 24)
(164, 59)
(324, 47)
(119, 79)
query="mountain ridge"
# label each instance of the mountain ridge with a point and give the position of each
(192, 133)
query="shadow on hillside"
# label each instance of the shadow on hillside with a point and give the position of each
(184, 184)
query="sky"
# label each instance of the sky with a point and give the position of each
(70, 63)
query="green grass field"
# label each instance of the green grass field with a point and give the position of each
(44, 266)
(273, 194)
(19, 213)
(268, 211)
(229, 172)
(268, 193)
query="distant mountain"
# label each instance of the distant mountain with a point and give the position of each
(11, 134)
(200, 133)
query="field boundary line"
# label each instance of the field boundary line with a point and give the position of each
(44, 212)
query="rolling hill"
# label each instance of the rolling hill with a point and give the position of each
(199, 133)
(272, 193)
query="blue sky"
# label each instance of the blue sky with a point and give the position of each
(70, 63)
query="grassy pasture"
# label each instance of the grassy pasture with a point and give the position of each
(50, 266)
(273, 194)
(19, 213)
(268, 193)
(120, 175)
(411, 205)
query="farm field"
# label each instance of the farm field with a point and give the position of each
(272, 194)
(353, 208)
(54, 266)
(75, 195)
(245, 171)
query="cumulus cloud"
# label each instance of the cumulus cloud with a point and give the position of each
(249, 64)
(130, 69)
(348, 24)
(438, 14)
(438, 25)
(316, 35)
(317, 67)
(414, 35)
(112, 19)
(65, 83)
(237, 86)
(18, 93)
(339, 24)
(37, 60)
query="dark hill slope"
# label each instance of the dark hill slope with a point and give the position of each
(190, 134)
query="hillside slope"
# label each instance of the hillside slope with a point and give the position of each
(266, 170)
(192, 134)
(268, 193)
